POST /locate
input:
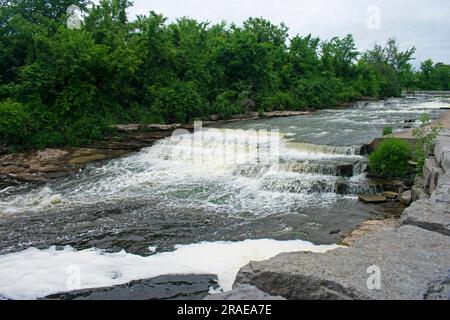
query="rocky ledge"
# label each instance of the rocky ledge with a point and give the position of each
(409, 257)
(44, 165)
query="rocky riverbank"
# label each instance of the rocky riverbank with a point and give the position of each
(411, 256)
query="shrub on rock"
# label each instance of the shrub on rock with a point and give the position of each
(391, 159)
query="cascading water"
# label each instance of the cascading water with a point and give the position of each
(230, 183)
(199, 169)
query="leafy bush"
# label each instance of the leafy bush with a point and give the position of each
(277, 100)
(178, 101)
(14, 121)
(83, 131)
(391, 158)
(226, 104)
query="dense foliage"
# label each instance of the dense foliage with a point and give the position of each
(391, 158)
(62, 86)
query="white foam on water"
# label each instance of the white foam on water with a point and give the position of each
(35, 273)
(174, 167)
(431, 105)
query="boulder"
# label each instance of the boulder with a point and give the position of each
(428, 214)
(406, 197)
(408, 260)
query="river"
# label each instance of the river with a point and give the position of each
(206, 202)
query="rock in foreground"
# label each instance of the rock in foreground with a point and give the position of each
(410, 261)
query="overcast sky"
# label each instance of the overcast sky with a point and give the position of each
(423, 23)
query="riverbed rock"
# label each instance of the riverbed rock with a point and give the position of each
(126, 127)
(243, 292)
(162, 127)
(50, 154)
(391, 195)
(87, 158)
(406, 198)
(165, 287)
(409, 259)
(367, 227)
(371, 198)
(48, 164)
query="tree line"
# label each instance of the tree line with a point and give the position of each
(64, 86)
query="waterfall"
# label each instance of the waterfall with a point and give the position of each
(206, 168)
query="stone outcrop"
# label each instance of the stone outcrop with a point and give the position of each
(412, 255)
(44, 165)
(428, 215)
(409, 259)
(406, 197)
